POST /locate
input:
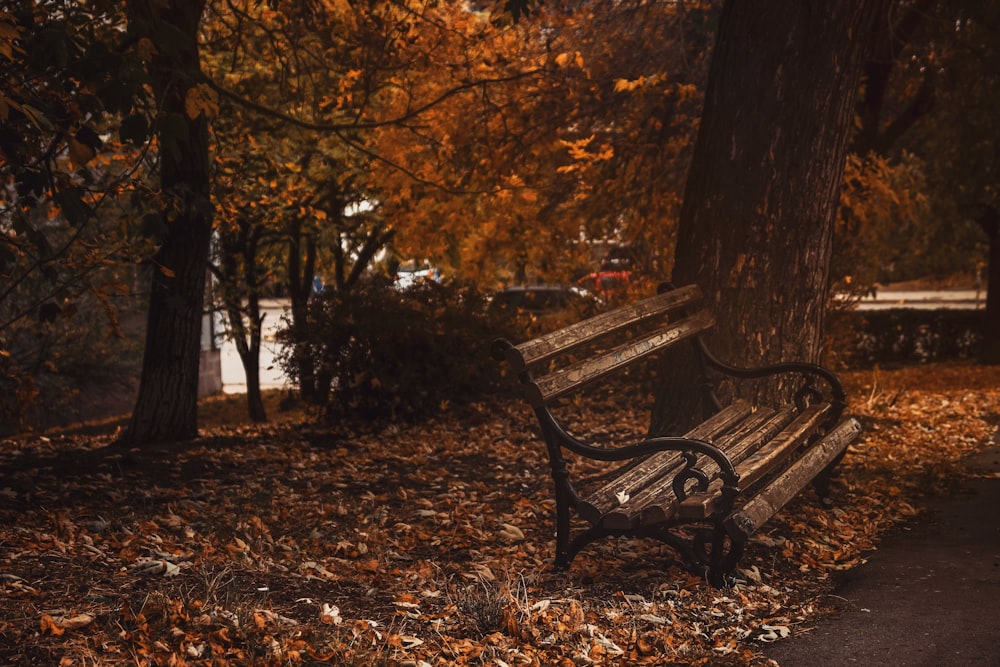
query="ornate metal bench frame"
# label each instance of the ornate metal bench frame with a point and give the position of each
(703, 493)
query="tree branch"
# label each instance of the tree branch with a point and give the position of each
(356, 125)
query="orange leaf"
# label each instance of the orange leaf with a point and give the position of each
(368, 566)
(199, 100)
(48, 624)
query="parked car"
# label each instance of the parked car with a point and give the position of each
(536, 309)
(605, 281)
(411, 272)
(540, 299)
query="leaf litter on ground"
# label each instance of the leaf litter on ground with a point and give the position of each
(428, 544)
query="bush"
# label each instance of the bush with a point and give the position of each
(67, 365)
(897, 336)
(386, 354)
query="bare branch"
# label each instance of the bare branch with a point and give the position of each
(366, 125)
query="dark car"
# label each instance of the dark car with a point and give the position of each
(540, 308)
(539, 299)
(605, 281)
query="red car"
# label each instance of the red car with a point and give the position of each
(605, 281)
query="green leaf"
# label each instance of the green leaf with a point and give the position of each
(37, 118)
(30, 183)
(116, 96)
(49, 312)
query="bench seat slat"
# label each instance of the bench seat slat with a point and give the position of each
(658, 502)
(763, 460)
(752, 469)
(783, 488)
(563, 340)
(633, 479)
(572, 377)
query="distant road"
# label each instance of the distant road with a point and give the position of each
(234, 380)
(924, 300)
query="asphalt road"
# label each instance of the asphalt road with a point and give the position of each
(929, 596)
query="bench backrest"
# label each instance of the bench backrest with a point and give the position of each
(661, 321)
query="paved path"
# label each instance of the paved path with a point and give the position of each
(929, 596)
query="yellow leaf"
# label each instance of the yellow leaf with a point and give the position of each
(562, 59)
(201, 99)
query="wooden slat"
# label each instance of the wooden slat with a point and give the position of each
(633, 479)
(556, 384)
(783, 488)
(657, 503)
(764, 459)
(701, 505)
(563, 340)
(741, 444)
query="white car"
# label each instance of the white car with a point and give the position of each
(410, 273)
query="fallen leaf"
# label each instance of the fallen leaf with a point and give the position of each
(49, 625)
(511, 532)
(330, 614)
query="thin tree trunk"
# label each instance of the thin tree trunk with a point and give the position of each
(239, 281)
(756, 225)
(990, 222)
(301, 270)
(251, 366)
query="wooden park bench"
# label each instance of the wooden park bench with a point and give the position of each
(706, 492)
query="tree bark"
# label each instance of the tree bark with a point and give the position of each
(990, 222)
(756, 224)
(166, 407)
(302, 251)
(239, 277)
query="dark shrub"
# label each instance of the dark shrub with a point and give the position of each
(389, 354)
(67, 365)
(898, 336)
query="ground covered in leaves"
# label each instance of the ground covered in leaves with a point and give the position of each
(425, 545)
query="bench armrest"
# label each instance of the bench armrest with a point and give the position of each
(689, 448)
(810, 370)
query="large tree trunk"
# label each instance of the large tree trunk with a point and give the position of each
(166, 408)
(756, 225)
